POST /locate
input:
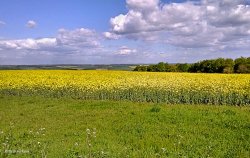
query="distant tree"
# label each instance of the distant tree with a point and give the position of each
(194, 67)
(242, 68)
(220, 65)
(152, 68)
(242, 65)
(140, 68)
(183, 67)
(206, 66)
(228, 66)
(228, 70)
(136, 68)
(171, 68)
(160, 67)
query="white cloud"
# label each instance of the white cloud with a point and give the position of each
(78, 46)
(72, 39)
(167, 17)
(228, 13)
(31, 24)
(68, 46)
(208, 23)
(124, 50)
(78, 38)
(34, 44)
(109, 35)
(171, 32)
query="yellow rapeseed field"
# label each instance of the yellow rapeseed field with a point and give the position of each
(124, 85)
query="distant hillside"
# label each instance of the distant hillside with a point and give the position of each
(126, 67)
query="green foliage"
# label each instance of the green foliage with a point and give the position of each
(140, 95)
(242, 65)
(124, 129)
(161, 67)
(140, 68)
(220, 65)
(183, 67)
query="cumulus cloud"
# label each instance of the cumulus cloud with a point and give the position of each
(79, 46)
(190, 24)
(66, 46)
(109, 35)
(78, 38)
(143, 5)
(34, 44)
(31, 24)
(125, 51)
(174, 32)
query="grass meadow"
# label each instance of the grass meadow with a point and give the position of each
(123, 114)
(57, 128)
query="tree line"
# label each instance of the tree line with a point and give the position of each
(219, 65)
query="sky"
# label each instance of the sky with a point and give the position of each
(122, 31)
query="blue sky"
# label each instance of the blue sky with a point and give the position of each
(53, 14)
(122, 31)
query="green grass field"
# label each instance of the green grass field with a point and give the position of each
(37, 127)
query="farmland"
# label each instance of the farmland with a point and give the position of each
(73, 113)
(173, 88)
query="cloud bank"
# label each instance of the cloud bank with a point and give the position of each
(193, 24)
(67, 44)
(151, 31)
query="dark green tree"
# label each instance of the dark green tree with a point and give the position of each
(242, 65)
(183, 67)
(160, 67)
(140, 68)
